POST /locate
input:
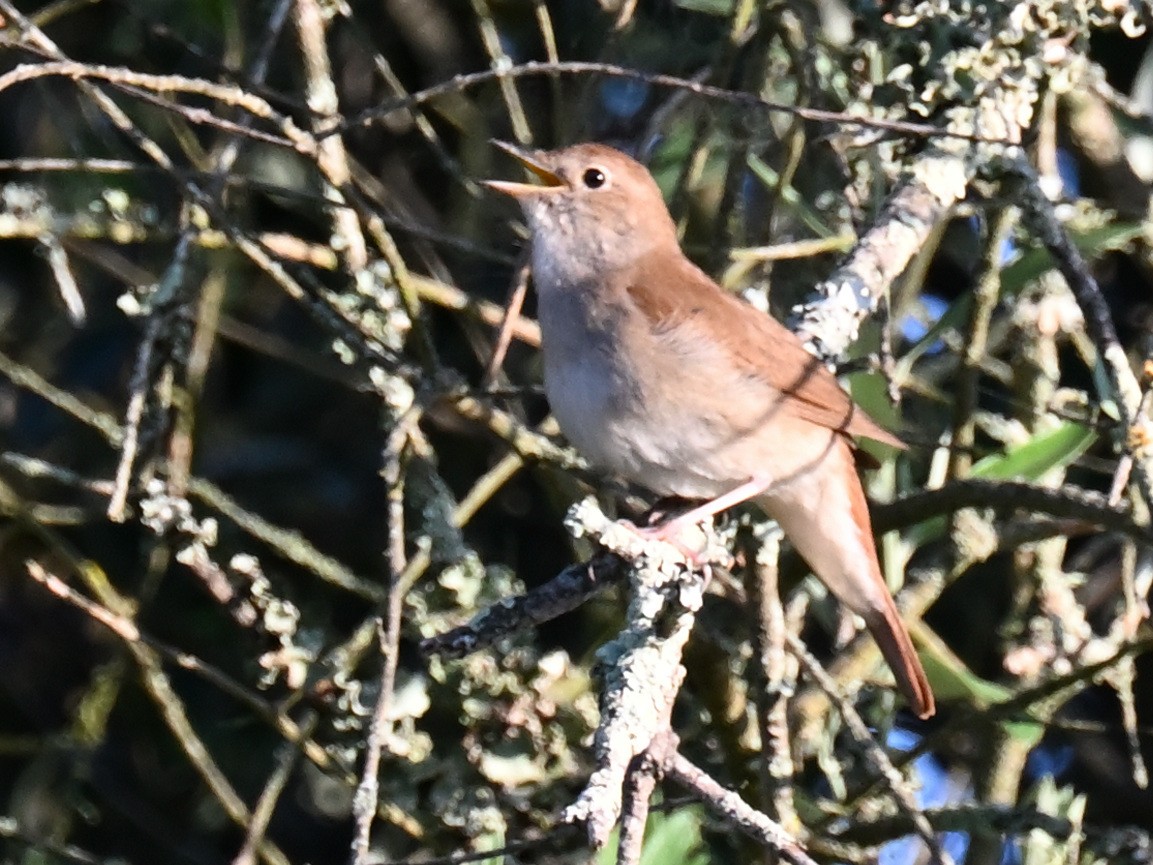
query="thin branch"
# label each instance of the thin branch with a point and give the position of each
(734, 810)
(235, 97)
(172, 710)
(873, 752)
(563, 593)
(1066, 502)
(273, 789)
(1123, 388)
(707, 91)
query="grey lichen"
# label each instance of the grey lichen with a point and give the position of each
(641, 667)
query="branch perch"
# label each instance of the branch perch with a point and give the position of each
(642, 666)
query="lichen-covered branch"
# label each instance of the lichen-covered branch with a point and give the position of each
(641, 667)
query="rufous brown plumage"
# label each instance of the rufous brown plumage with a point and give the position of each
(656, 373)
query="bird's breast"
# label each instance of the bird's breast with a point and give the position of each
(592, 389)
(661, 409)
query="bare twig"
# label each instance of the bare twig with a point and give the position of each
(512, 308)
(133, 417)
(65, 279)
(707, 91)
(639, 783)
(270, 795)
(10, 830)
(1067, 502)
(330, 156)
(499, 60)
(563, 593)
(172, 708)
(235, 97)
(729, 806)
(1123, 388)
(367, 791)
(985, 295)
(874, 753)
(775, 682)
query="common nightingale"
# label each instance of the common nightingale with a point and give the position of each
(657, 374)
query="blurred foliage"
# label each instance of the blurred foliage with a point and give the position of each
(286, 414)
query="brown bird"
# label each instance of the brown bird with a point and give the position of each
(656, 373)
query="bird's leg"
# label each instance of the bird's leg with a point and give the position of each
(670, 529)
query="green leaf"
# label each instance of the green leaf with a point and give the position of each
(871, 392)
(951, 677)
(1045, 451)
(670, 839)
(953, 681)
(674, 839)
(1029, 461)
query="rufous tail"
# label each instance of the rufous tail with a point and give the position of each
(824, 514)
(895, 644)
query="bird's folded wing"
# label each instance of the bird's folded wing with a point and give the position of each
(759, 344)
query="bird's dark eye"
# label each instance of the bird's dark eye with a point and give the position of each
(593, 178)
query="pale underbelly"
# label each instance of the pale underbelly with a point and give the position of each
(672, 448)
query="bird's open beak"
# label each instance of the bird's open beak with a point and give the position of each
(548, 178)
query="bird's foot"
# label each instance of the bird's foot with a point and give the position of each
(675, 533)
